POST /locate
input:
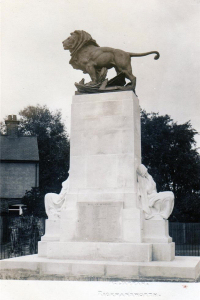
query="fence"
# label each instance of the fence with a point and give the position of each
(186, 237)
(20, 235)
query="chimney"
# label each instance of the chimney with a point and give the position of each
(12, 126)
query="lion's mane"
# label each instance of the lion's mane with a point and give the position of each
(83, 38)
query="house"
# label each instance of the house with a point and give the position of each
(19, 166)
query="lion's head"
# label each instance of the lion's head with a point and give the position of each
(77, 40)
(70, 42)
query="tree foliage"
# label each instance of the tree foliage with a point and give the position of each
(34, 203)
(168, 150)
(53, 144)
(2, 128)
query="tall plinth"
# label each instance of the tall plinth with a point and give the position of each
(101, 219)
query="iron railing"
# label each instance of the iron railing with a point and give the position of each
(186, 237)
(20, 235)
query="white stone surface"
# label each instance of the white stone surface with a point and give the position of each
(52, 230)
(52, 233)
(132, 227)
(100, 251)
(105, 142)
(42, 249)
(100, 221)
(156, 231)
(184, 269)
(105, 152)
(68, 225)
(163, 252)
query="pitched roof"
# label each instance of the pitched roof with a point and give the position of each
(19, 148)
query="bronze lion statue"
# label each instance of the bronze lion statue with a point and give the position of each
(88, 56)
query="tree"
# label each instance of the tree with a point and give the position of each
(168, 150)
(53, 144)
(2, 128)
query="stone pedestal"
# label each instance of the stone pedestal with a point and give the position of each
(156, 232)
(101, 220)
(105, 152)
(52, 234)
(52, 230)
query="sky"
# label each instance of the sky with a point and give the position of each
(35, 68)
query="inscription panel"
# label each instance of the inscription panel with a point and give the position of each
(100, 221)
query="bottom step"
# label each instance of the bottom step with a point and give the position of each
(182, 268)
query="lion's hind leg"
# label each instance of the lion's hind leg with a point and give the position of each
(117, 70)
(130, 76)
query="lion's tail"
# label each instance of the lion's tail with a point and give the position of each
(144, 54)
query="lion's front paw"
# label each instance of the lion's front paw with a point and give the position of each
(91, 83)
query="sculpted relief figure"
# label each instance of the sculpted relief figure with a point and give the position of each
(55, 202)
(86, 55)
(155, 205)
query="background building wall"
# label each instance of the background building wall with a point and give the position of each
(16, 178)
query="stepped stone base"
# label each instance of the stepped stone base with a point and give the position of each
(163, 252)
(96, 251)
(32, 267)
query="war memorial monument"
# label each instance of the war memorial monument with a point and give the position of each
(108, 222)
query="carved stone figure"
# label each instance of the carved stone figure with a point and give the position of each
(54, 202)
(86, 55)
(155, 205)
